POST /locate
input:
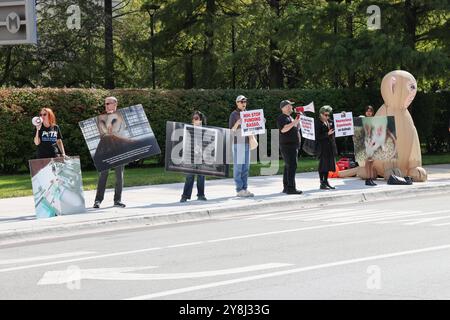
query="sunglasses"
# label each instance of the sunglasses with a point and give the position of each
(326, 115)
(43, 114)
(242, 101)
(108, 103)
(196, 118)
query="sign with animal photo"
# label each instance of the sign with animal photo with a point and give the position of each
(119, 138)
(197, 149)
(375, 138)
(343, 124)
(253, 122)
(57, 186)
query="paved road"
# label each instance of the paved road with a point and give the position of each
(396, 250)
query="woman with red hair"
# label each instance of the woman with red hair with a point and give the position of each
(48, 136)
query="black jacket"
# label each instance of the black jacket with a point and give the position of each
(326, 144)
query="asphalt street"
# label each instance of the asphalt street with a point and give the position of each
(392, 250)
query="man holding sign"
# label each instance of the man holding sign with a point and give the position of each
(289, 144)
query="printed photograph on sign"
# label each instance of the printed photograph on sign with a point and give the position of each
(343, 124)
(57, 186)
(197, 149)
(253, 122)
(307, 127)
(119, 138)
(374, 137)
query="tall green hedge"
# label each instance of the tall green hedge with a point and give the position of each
(18, 106)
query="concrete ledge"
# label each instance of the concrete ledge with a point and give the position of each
(31, 234)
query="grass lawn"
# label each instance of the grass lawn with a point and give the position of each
(20, 184)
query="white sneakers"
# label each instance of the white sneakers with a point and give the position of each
(245, 194)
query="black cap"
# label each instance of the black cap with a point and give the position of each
(284, 103)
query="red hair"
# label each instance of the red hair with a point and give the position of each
(50, 115)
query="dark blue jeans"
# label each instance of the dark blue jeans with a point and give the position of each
(189, 185)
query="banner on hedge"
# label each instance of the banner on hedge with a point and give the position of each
(253, 122)
(197, 149)
(119, 138)
(57, 186)
(307, 127)
(375, 137)
(343, 124)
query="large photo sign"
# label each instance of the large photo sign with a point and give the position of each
(57, 186)
(197, 149)
(119, 138)
(375, 137)
(253, 122)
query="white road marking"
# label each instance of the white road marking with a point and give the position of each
(286, 272)
(48, 257)
(120, 274)
(185, 244)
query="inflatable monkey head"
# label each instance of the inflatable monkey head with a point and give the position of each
(398, 89)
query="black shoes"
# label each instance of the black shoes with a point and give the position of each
(96, 205)
(202, 198)
(119, 204)
(183, 199)
(294, 191)
(323, 186)
(369, 182)
(328, 185)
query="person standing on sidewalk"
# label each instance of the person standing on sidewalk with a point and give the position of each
(369, 112)
(289, 145)
(327, 150)
(48, 138)
(198, 119)
(241, 149)
(110, 107)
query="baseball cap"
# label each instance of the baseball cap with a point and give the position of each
(240, 98)
(285, 103)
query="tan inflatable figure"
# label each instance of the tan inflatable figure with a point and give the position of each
(398, 90)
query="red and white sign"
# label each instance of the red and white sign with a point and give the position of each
(343, 124)
(253, 122)
(307, 126)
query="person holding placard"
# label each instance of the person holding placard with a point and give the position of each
(241, 149)
(110, 107)
(327, 150)
(198, 119)
(289, 145)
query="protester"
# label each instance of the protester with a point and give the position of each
(241, 150)
(110, 107)
(289, 145)
(369, 112)
(327, 150)
(198, 119)
(48, 138)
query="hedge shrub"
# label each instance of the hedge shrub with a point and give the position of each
(18, 106)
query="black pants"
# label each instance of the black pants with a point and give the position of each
(101, 186)
(289, 153)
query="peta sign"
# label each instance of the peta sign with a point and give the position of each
(17, 22)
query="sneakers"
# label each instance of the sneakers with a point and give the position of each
(202, 198)
(119, 204)
(183, 199)
(96, 204)
(245, 194)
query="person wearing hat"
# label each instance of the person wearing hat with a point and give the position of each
(289, 145)
(327, 150)
(241, 149)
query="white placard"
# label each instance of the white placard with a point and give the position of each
(253, 122)
(307, 126)
(343, 124)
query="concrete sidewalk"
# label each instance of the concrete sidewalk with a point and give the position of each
(159, 204)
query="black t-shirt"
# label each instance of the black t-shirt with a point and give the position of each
(290, 137)
(48, 136)
(237, 136)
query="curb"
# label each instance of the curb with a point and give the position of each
(12, 237)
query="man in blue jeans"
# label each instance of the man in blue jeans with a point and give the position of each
(241, 149)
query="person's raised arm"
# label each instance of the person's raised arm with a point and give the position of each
(37, 141)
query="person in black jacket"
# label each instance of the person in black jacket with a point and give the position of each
(327, 150)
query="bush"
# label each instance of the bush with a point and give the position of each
(18, 106)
